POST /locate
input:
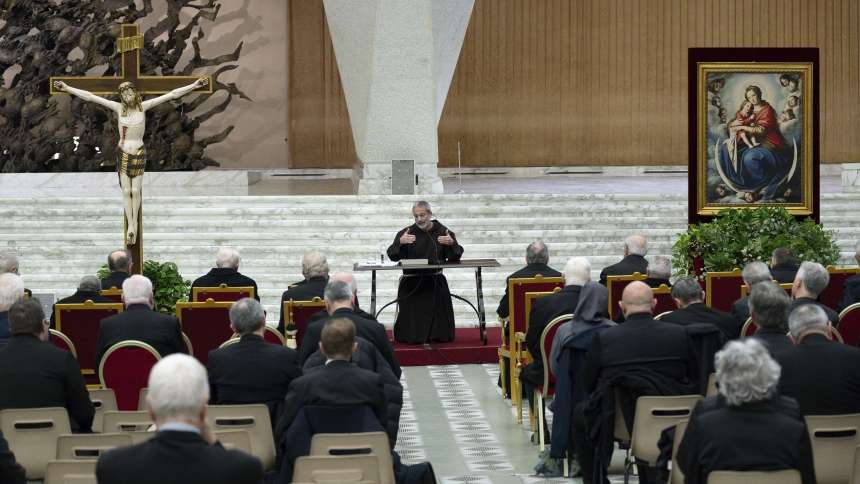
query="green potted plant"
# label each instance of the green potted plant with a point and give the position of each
(735, 238)
(168, 286)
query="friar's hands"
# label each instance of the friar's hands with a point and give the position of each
(446, 239)
(407, 238)
(202, 82)
(60, 85)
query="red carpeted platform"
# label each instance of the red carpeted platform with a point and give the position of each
(466, 348)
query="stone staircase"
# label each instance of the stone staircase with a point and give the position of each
(58, 240)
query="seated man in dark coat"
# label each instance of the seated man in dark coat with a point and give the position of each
(90, 289)
(635, 249)
(689, 296)
(576, 273)
(658, 272)
(184, 449)
(663, 350)
(119, 264)
(769, 312)
(783, 265)
(745, 428)
(349, 279)
(11, 472)
(821, 374)
(812, 278)
(11, 290)
(315, 269)
(139, 322)
(252, 370)
(226, 271)
(36, 374)
(338, 303)
(537, 258)
(851, 287)
(338, 382)
(753, 273)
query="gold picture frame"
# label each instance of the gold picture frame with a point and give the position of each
(755, 138)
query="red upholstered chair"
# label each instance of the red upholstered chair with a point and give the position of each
(522, 355)
(299, 312)
(125, 370)
(722, 289)
(546, 390)
(517, 314)
(831, 294)
(80, 323)
(665, 303)
(615, 285)
(849, 324)
(221, 293)
(62, 341)
(207, 325)
(113, 294)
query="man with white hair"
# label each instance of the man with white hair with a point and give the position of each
(577, 271)
(139, 322)
(753, 273)
(226, 272)
(184, 448)
(11, 290)
(810, 281)
(851, 287)
(315, 270)
(658, 272)
(822, 374)
(349, 279)
(119, 264)
(635, 249)
(88, 290)
(748, 426)
(9, 265)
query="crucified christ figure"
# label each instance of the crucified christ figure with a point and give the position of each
(131, 157)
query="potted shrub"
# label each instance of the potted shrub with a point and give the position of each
(168, 286)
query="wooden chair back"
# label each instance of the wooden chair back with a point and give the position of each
(849, 324)
(137, 424)
(722, 289)
(299, 312)
(346, 469)
(113, 294)
(104, 399)
(787, 286)
(125, 369)
(615, 285)
(834, 439)
(221, 293)
(253, 419)
(374, 442)
(207, 325)
(71, 472)
(787, 476)
(32, 434)
(89, 446)
(80, 323)
(653, 415)
(832, 294)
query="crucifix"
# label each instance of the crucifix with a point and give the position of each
(131, 153)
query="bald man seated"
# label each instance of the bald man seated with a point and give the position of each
(658, 356)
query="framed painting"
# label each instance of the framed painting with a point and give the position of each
(755, 133)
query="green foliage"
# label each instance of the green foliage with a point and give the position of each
(168, 286)
(734, 238)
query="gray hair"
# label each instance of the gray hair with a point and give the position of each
(178, 388)
(8, 263)
(228, 258)
(537, 252)
(746, 372)
(783, 255)
(422, 205)
(756, 272)
(348, 278)
(314, 264)
(246, 315)
(136, 289)
(770, 305)
(11, 290)
(814, 277)
(337, 292)
(119, 260)
(636, 245)
(577, 271)
(687, 290)
(660, 267)
(808, 317)
(90, 284)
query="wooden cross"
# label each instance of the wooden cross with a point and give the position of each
(129, 45)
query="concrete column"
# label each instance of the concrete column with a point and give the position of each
(396, 60)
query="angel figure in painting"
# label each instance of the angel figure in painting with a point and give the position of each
(131, 156)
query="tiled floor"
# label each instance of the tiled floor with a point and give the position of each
(454, 417)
